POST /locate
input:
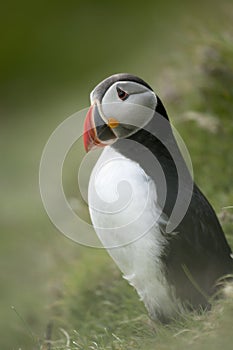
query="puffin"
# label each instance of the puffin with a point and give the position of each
(174, 261)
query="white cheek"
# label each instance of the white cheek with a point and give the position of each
(147, 99)
(137, 110)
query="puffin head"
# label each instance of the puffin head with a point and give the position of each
(121, 105)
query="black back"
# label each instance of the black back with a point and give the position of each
(198, 254)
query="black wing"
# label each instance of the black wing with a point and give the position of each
(198, 255)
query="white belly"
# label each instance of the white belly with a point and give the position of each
(124, 212)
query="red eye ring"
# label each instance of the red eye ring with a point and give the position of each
(122, 94)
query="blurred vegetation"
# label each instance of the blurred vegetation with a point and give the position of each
(53, 54)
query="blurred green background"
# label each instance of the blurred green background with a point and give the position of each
(52, 55)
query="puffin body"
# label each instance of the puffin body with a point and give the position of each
(130, 207)
(137, 257)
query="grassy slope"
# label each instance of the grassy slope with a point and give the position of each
(102, 308)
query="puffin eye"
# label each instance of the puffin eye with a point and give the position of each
(122, 94)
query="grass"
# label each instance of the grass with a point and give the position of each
(197, 331)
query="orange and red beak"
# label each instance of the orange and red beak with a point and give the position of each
(96, 132)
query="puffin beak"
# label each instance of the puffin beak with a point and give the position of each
(96, 132)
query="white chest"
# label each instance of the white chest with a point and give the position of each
(124, 212)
